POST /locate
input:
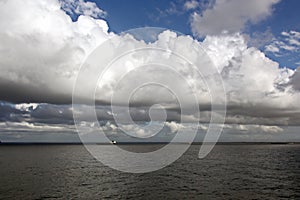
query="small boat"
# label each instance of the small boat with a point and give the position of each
(114, 142)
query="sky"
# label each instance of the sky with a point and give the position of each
(251, 47)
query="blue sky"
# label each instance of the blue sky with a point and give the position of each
(171, 14)
(122, 16)
(135, 13)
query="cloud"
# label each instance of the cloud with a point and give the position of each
(260, 39)
(173, 126)
(287, 42)
(293, 37)
(286, 45)
(295, 80)
(81, 7)
(254, 129)
(272, 48)
(50, 50)
(26, 106)
(191, 5)
(257, 88)
(172, 9)
(26, 127)
(230, 15)
(20, 125)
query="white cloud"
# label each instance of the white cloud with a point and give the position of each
(26, 106)
(173, 126)
(49, 47)
(191, 5)
(230, 15)
(254, 129)
(111, 126)
(26, 126)
(82, 7)
(272, 48)
(288, 41)
(255, 85)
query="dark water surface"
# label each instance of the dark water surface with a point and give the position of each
(228, 172)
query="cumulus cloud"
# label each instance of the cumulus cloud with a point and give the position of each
(230, 15)
(248, 74)
(173, 126)
(257, 88)
(51, 49)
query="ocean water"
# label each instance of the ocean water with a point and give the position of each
(228, 172)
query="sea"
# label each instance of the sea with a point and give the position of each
(230, 171)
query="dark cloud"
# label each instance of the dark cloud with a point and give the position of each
(295, 80)
(7, 111)
(18, 92)
(63, 114)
